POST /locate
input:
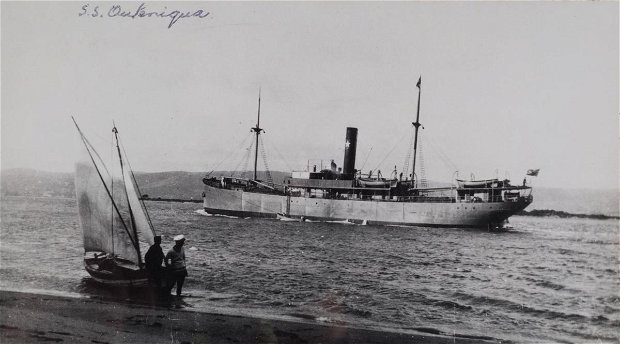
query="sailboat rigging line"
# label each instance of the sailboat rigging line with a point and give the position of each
(133, 220)
(135, 183)
(112, 197)
(87, 144)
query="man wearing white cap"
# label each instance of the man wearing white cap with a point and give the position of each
(175, 261)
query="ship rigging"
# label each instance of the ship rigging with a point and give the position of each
(344, 194)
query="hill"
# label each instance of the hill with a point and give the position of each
(177, 184)
(172, 184)
(28, 182)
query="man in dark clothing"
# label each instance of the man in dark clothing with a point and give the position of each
(153, 259)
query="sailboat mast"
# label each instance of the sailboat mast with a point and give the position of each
(133, 221)
(416, 124)
(257, 130)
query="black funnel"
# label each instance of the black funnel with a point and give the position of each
(350, 146)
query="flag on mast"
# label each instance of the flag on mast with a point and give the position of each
(419, 82)
(533, 173)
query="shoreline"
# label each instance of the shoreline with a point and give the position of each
(31, 318)
(564, 214)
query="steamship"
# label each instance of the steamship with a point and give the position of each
(343, 194)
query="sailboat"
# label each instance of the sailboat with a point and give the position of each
(115, 224)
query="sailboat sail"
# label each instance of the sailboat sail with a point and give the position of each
(94, 209)
(141, 220)
(102, 219)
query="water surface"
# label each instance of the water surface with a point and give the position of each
(548, 279)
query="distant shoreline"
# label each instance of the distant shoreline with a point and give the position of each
(563, 214)
(535, 212)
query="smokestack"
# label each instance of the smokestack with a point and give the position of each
(350, 147)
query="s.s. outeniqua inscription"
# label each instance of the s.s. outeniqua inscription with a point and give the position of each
(142, 11)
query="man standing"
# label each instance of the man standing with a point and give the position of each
(153, 259)
(175, 261)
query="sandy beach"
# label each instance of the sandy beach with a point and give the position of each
(34, 318)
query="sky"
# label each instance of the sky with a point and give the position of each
(506, 86)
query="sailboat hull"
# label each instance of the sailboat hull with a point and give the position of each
(439, 214)
(118, 273)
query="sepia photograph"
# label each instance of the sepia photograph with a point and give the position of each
(309, 172)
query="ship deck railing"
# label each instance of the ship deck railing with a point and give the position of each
(445, 194)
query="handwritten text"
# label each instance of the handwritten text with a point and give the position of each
(118, 11)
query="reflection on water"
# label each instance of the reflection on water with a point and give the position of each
(546, 280)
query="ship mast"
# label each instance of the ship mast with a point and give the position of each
(416, 124)
(257, 130)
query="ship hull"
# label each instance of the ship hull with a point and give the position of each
(439, 214)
